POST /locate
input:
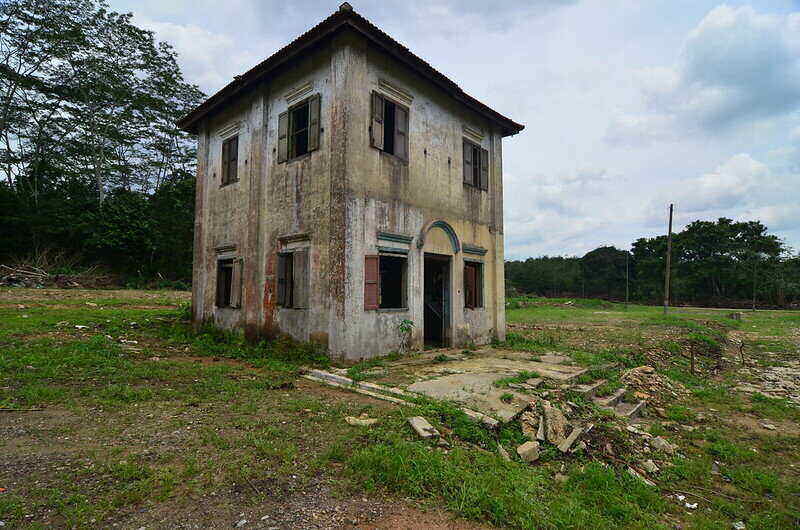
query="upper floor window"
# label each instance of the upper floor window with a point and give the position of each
(389, 128)
(476, 165)
(298, 129)
(230, 160)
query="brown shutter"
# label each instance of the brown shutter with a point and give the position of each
(313, 123)
(283, 137)
(484, 169)
(376, 128)
(282, 258)
(371, 287)
(236, 283)
(233, 159)
(468, 177)
(469, 286)
(401, 132)
(301, 279)
(224, 163)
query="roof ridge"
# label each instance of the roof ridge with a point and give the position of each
(345, 15)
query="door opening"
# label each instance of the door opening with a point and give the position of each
(437, 300)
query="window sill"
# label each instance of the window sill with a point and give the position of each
(231, 183)
(473, 187)
(293, 308)
(390, 309)
(297, 158)
(392, 156)
(227, 307)
(474, 308)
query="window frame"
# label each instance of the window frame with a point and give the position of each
(232, 286)
(479, 165)
(478, 286)
(225, 157)
(380, 122)
(375, 305)
(296, 278)
(313, 129)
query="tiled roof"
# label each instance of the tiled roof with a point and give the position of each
(344, 17)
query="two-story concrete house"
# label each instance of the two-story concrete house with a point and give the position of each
(344, 186)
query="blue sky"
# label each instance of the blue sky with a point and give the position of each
(628, 105)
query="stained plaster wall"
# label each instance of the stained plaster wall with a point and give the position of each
(337, 199)
(385, 194)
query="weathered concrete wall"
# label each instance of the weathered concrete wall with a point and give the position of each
(335, 200)
(386, 194)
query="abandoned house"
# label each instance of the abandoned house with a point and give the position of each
(344, 189)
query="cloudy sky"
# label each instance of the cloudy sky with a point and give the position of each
(628, 104)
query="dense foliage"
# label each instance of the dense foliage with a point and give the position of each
(91, 159)
(715, 263)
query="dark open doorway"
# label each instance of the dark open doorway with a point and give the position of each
(437, 300)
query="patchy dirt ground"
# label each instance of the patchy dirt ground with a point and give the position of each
(114, 414)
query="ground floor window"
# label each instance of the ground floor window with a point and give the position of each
(293, 279)
(385, 279)
(229, 285)
(473, 284)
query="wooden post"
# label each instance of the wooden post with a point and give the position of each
(669, 262)
(627, 279)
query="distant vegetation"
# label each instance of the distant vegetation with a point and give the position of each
(713, 263)
(91, 163)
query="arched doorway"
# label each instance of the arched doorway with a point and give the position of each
(439, 244)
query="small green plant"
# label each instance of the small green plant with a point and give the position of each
(519, 378)
(405, 329)
(507, 397)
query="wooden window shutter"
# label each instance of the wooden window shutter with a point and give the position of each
(469, 286)
(236, 283)
(224, 163)
(468, 176)
(282, 279)
(371, 285)
(233, 159)
(313, 122)
(301, 279)
(484, 169)
(283, 137)
(376, 128)
(401, 132)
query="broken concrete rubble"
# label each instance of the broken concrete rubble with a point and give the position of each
(555, 423)
(422, 427)
(529, 451)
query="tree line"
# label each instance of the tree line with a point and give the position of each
(92, 163)
(718, 263)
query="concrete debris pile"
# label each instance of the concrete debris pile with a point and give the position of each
(545, 422)
(649, 386)
(774, 381)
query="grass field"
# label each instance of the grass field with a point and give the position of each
(114, 413)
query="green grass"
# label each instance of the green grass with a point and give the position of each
(519, 378)
(507, 494)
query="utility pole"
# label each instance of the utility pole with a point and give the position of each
(627, 279)
(755, 262)
(669, 263)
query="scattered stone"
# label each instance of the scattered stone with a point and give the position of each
(528, 422)
(768, 426)
(739, 525)
(633, 429)
(560, 478)
(540, 434)
(361, 422)
(555, 424)
(567, 443)
(240, 523)
(503, 453)
(422, 427)
(650, 466)
(580, 446)
(529, 451)
(636, 474)
(660, 444)
(691, 505)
